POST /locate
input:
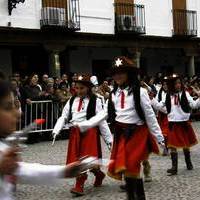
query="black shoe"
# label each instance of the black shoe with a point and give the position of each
(140, 190)
(123, 188)
(188, 159)
(131, 188)
(174, 169)
(190, 166)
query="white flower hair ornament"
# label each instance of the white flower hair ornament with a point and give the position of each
(80, 78)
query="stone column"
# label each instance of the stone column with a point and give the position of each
(137, 58)
(54, 58)
(54, 63)
(191, 54)
(135, 54)
(191, 66)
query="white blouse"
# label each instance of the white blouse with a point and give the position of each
(129, 115)
(79, 118)
(176, 114)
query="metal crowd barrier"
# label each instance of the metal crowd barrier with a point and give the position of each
(48, 110)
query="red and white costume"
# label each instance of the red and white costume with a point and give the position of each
(84, 140)
(128, 153)
(181, 134)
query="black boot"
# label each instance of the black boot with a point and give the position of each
(140, 190)
(188, 159)
(131, 188)
(123, 188)
(174, 169)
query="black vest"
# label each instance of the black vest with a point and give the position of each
(91, 109)
(183, 102)
(160, 95)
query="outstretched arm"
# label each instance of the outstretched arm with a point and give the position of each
(150, 116)
(35, 173)
(101, 115)
(61, 120)
(159, 106)
(194, 104)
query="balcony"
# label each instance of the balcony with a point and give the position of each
(129, 18)
(60, 14)
(184, 23)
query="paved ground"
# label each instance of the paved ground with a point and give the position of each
(185, 186)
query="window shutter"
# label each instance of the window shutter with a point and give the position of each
(54, 3)
(179, 17)
(179, 4)
(124, 7)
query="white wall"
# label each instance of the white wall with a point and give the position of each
(192, 4)
(26, 15)
(97, 16)
(158, 17)
(3, 12)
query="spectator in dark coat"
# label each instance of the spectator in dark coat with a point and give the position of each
(31, 92)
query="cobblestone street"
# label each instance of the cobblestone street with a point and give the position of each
(185, 186)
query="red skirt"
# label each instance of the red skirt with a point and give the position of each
(83, 144)
(128, 153)
(163, 122)
(181, 135)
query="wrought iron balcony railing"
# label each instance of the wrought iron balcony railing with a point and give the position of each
(184, 22)
(60, 13)
(129, 18)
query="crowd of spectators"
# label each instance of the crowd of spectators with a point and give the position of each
(59, 89)
(35, 88)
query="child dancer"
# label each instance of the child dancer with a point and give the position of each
(136, 127)
(181, 134)
(84, 111)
